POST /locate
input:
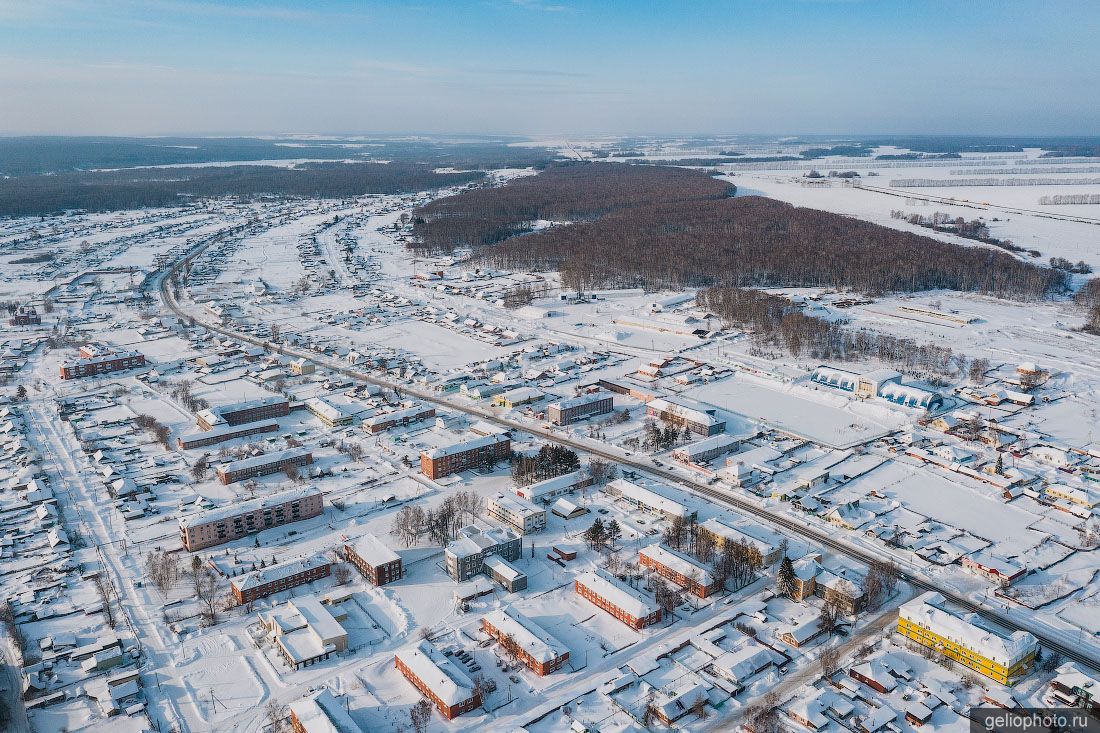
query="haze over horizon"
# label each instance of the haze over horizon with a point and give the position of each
(534, 67)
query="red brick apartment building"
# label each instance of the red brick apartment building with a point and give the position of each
(541, 652)
(263, 465)
(438, 678)
(376, 562)
(225, 524)
(567, 412)
(680, 569)
(92, 366)
(620, 600)
(475, 453)
(279, 577)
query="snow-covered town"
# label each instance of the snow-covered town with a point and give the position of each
(266, 463)
(549, 366)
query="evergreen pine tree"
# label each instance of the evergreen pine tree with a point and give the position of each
(614, 532)
(784, 579)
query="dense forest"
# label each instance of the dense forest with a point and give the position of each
(151, 187)
(580, 192)
(23, 156)
(754, 241)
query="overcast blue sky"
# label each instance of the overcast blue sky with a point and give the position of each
(537, 67)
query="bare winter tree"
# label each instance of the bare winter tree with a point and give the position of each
(206, 592)
(879, 583)
(601, 471)
(200, 469)
(7, 620)
(699, 708)
(162, 569)
(341, 573)
(420, 716)
(829, 661)
(105, 589)
(408, 523)
(276, 714)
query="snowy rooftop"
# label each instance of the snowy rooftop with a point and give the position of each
(100, 358)
(318, 617)
(744, 662)
(717, 442)
(653, 497)
(516, 504)
(214, 414)
(385, 417)
(532, 638)
(503, 568)
(264, 459)
(678, 563)
(729, 533)
(279, 571)
(970, 631)
(321, 712)
(374, 551)
(466, 445)
(693, 410)
(438, 672)
(616, 592)
(522, 394)
(551, 485)
(472, 541)
(580, 400)
(243, 507)
(321, 406)
(223, 428)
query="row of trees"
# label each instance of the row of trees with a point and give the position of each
(760, 242)
(441, 524)
(158, 430)
(550, 461)
(183, 392)
(1074, 198)
(1079, 268)
(164, 571)
(975, 229)
(600, 535)
(776, 323)
(14, 631)
(656, 438)
(736, 562)
(570, 192)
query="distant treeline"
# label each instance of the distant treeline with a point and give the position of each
(1056, 146)
(577, 192)
(919, 156)
(22, 156)
(155, 187)
(754, 241)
